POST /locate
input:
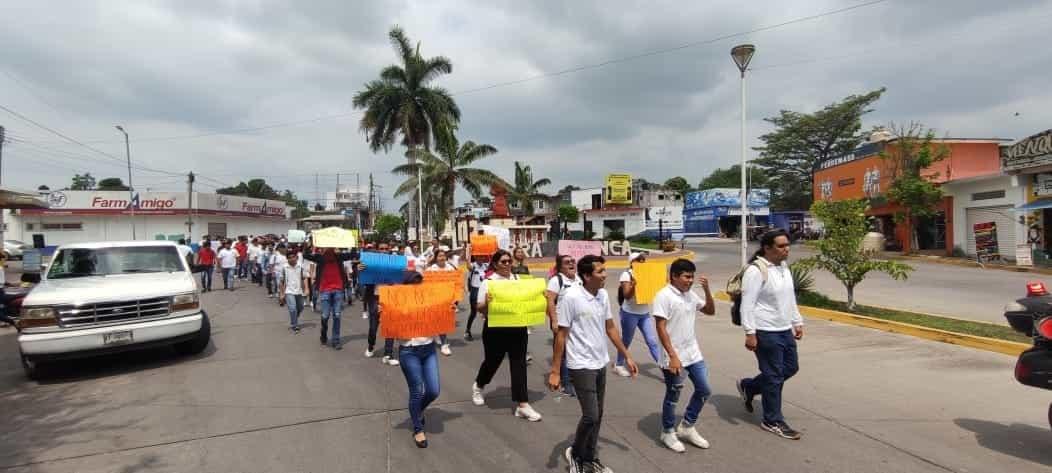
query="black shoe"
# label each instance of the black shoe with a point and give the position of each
(745, 397)
(781, 429)
(420, 443)
(468, 337)
(337, 346)
(598, 467)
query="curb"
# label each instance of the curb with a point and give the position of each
(953, 338)
(970, 264)
(620, 263)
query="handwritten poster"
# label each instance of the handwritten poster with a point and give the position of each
(577, 249)
(650, 278)
(417, 310)
(334, 237)
(517, 303)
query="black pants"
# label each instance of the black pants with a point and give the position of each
(496, 343)
(373, 308)
(473, 298)
(591, 390)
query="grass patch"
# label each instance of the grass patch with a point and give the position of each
(981, 329)
(648, 245)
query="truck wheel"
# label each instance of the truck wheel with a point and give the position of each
(30, 367)
(198, 343)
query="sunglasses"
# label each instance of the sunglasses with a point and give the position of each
(569, 261)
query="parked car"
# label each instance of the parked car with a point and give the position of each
(99, 298)
(13, 249)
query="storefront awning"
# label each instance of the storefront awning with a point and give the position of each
(1035, 205)
(13, 199)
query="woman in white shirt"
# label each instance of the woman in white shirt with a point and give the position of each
(499, 342)
(439, 262)
(772, 325)
(565, 278)
(419, 364)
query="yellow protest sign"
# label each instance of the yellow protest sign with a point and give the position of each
(455, 277)
(650, 278)
(517, 303)
(417, 310)
(335, 237)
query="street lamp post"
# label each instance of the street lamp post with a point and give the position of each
(742, 54)
(131, 195)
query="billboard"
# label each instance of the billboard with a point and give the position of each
(725, 197)
(618, 189)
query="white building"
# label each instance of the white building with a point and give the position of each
(81, 216)
(347, 197)
(985, 200)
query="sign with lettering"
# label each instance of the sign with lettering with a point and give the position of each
(579, 249)
(156, 203)
(866, 150)
(618, 189)
(986, 241)
(1023, 256)
(1030, 152)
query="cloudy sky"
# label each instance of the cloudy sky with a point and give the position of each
(184, 76)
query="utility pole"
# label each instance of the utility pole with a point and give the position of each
(2, 138)
(317, 194)
(189, 205)
(131, 189)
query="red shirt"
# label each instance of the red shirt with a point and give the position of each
(242, 250)
(206, 256)
(330, 276)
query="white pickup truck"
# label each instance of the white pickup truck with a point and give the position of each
(99, 298)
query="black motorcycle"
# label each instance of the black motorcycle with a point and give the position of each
(1032, 315)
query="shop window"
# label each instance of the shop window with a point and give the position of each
(72, 226)
(54, 227)
(30, 227)
(846, 182)
(989, 195)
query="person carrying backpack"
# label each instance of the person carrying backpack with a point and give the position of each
(565, 277)
(634, 316)
(772, 324)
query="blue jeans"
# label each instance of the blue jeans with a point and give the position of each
(777, 357)
(331, 306)
(242, 269)
(295, 304)
(206, 279)
(699, 376)
(228, 278)
(420, 367)
(645, 324)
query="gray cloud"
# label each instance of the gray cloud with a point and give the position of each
(189, 67)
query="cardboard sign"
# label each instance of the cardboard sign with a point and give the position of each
(1023, 256)
(483, 245)
(455, 277)
(382, 268)
(517, 303)
(334, 237)
(417, 310)
(297, 236)
(579, 249)
(650, 278)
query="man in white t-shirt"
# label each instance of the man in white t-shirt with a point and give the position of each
(675, 309)
(185, 252)
(585, 323)
(635, 316)
(227, 263)
(294, 289)
(253, 259)
(277, 263)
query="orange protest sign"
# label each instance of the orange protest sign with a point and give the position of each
(650, 278)
(455, 277)
(483, 245)
(416, 310)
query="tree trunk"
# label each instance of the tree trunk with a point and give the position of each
(850, 297)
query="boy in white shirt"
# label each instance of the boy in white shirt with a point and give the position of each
(675, 309)
(585, 324)
(294, 289)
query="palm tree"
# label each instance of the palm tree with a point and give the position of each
(402, 103)
(525, 189)
(442, 174)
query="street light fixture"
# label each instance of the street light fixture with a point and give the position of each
(742, 55)
(131, 195)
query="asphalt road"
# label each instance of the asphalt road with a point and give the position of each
(968, 293)
(261, 399)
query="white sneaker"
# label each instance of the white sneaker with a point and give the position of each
(476, 395)
(528, 413)
(387, 360)
(365, 315)
(574, 467)
(690, 434)
(445, 350)
(621, 371)
(369, 353)
(673, 443)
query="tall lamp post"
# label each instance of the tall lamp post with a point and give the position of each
(742, 54)
(131, 195)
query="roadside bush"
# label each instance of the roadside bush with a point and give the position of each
(615, 235)
(803, 277)
(958, 252)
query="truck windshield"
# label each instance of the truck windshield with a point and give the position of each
(83, 262)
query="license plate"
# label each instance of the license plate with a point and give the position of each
(117, 338)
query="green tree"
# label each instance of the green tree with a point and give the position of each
(441, 174)
(82, 182)
(800, 140)
(525, 189)
(111, 184)
(732, 177)
(912, 153)
(402, 103)
(387, 226)
(678, 184)
(259, 189)
(568, 213)
(841, 253)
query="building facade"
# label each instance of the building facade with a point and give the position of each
(82, 216)
(1029, 163)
